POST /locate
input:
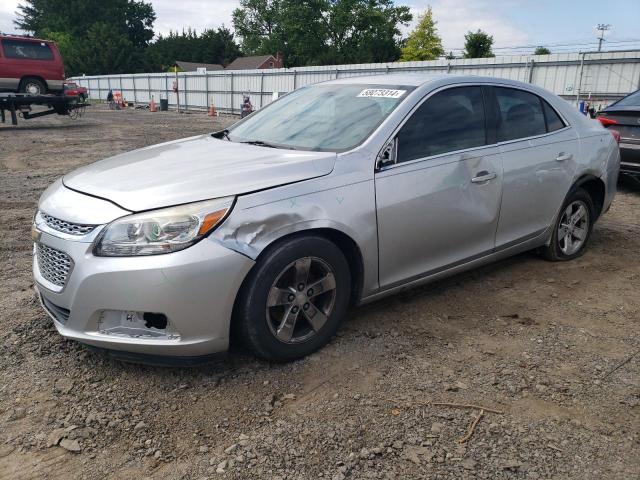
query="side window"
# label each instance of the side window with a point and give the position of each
(554, 122)
(450, 120)
(520, 114)
(22, 50)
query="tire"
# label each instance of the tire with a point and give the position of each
(275, 307)
(572, 245)
(32, 86)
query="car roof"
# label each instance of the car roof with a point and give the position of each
(419, 79)
(26, 38)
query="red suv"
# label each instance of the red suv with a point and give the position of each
(30, 65)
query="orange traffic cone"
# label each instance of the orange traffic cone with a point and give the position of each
(152, 105)
(212, 111)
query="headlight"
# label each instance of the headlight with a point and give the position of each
(161, 231)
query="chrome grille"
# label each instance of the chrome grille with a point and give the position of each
(66, 227)
(54, 265)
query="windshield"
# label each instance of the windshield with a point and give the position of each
(322, 117)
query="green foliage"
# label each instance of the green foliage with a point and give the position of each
(212, 46)
(67, 45)
(478, 45)
(115, 36)
(423, 43)
(321, 32)
(131, 18)
(542, 51)
(94, 36)
(115, 54)
(257, 22)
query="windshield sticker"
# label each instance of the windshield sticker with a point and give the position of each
(381, 93)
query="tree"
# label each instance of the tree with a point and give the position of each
(542, 51)
(218, 46)
(423, 43)
(321, 32)
(212, 46)
(92, 31)
(68, 46)
(105, 50)
(257, 22)
(363, 31)
(139, 18)
(478, 45)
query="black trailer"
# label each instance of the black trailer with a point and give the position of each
(20, 104)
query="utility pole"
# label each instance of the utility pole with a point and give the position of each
(602, 28)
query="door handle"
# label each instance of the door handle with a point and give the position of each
(484, 176)
(563, 156)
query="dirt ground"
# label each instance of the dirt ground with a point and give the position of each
(549, 345)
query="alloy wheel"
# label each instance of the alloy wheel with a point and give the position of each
(573, 227)
(301, 300)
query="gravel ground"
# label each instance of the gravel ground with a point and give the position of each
(548, 345)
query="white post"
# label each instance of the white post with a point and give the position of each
(580, 80)
(175, 68)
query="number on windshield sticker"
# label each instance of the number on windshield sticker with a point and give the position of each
(381, 93)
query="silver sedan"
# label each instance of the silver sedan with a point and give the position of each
(335, 195)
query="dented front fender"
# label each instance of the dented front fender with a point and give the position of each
(262, 218)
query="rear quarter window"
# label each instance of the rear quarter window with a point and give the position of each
(632, 100)
(554, 122)
(25, 50)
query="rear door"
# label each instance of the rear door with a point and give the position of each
(539, 151)
(438, 204)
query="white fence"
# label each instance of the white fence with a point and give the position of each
(602, 76)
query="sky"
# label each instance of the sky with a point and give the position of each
(564, 25)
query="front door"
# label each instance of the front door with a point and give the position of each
(438, 204)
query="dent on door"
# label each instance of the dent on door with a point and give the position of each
(431, 215)
(537, 176)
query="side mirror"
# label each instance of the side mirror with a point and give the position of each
(388, 154)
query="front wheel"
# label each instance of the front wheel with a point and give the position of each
(572, 229)
(294, 299)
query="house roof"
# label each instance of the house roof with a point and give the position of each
(248, 63)
(193, 67)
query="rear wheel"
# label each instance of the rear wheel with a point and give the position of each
(294, 299)
(573, 228)
(32, 86)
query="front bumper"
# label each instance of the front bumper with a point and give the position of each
(195, 288)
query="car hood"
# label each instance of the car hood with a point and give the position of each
(194, 169)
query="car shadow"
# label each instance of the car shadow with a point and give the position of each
(63, 126)
(629, 184)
